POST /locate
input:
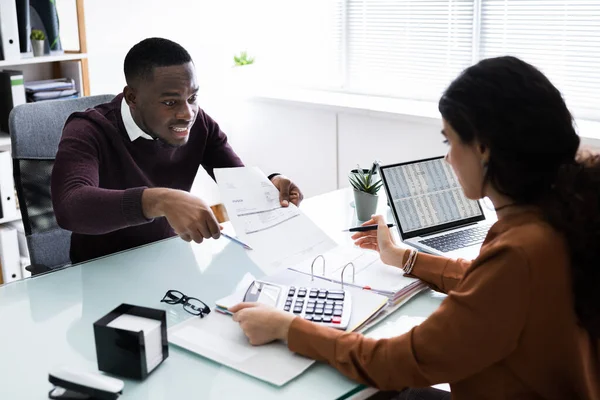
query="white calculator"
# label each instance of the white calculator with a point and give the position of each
(323, 306)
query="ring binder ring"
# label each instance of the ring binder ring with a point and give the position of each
(312, 267)
(353, 273)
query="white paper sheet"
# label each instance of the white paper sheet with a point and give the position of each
(280, 236)
(220, 339)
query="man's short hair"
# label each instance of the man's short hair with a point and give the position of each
(151, 53)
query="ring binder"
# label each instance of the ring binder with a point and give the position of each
(353, 273)
(312, 267)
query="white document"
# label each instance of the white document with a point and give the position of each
(9, 31)
(220, 339)
(280, 236)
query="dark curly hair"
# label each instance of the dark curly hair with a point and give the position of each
(510, 107)
(150, 53)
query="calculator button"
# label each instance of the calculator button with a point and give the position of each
(328, 312)
(308, 317)
(318, 311)
(292, 291)
(286, 308)
(288, 302)
(329, 306)
(336, 320)
(317, 318)
(335, 296)
(336, 291)
(313, 294)
(327, 319)
(337, 313)
(310, 310)
(322, 294)
(320, 302)
(301, 294)
(297, 310)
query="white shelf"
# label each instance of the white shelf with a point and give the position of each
(10, 219)
(4, 141)
(43, 59)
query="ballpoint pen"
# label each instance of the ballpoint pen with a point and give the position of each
(238, 241)
(365, 228)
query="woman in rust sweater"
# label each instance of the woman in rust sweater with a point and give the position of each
(522, 320)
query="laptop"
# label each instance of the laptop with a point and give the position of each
(430, 209)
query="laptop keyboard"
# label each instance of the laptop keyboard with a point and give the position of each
(457, 240)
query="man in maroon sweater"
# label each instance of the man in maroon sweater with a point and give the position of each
(124, 169)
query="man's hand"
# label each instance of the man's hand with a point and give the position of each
(262, 324)
(288, 191)
(190, 217)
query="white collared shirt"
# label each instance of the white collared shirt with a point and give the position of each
(133, 130)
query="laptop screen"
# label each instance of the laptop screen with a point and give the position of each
(425, 197)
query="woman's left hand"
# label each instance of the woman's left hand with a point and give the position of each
(262, 324)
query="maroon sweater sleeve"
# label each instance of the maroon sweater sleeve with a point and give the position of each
(218, 153)
(80, 205)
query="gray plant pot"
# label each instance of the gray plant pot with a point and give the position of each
(38, 48)
(365, 204)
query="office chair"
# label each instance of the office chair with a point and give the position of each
(35, 131)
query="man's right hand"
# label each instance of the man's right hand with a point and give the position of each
(189, 216)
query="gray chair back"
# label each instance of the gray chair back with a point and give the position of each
(35, 131)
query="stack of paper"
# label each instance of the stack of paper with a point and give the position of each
(51, 89)
(152, 335)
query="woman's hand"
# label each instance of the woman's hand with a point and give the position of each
(262, 324)
(380, 240)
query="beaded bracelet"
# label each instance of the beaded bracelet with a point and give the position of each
(410, 262)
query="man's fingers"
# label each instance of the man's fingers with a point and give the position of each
(202, 227)
(185, 237)
(197, 237)
(214, 228)
(296, 195)
(284, 191)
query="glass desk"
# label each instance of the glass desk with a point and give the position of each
(47, 321)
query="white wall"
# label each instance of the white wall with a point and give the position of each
(314, 145)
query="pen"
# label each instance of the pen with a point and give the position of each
(238, 241)
(365, 228)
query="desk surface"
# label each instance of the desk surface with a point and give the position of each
(47, 321)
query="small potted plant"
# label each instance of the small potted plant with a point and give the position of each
(37, 42)
(243, 59)
(366, 185)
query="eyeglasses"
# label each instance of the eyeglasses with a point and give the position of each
(190, 304)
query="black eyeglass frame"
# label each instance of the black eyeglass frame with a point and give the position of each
(174, 297)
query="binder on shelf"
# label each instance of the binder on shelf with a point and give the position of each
(44, 13)
(9, 254)
(12, 94)
(9, 30)
(8, 204)
(24, 23)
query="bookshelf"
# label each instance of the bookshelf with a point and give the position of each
(73, 63)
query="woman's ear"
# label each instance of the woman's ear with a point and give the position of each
(484, 152)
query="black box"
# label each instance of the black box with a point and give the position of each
(123, 352)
